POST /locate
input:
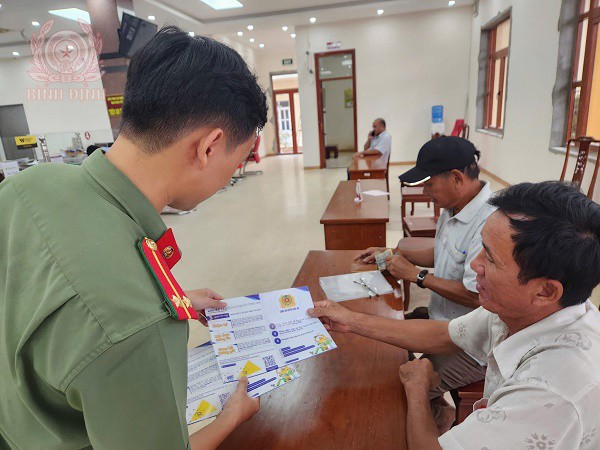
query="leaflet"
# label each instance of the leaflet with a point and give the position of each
(206, 391)
(260, 333)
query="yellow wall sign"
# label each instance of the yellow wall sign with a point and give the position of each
(25, 141)
(114, 103)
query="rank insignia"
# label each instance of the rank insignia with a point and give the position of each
(179, 306)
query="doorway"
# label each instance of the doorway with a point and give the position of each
(286, 107)
(336, 105)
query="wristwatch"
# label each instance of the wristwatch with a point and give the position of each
(421, 278)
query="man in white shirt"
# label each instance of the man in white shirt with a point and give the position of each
(535, 329)
(448, 168)
(379, 141)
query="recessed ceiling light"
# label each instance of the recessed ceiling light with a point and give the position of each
(240, 33)
(151, 18)
(313, 19)
(16, 53)
(379, 12)
(250, 27)
(72, 14)
(451, 3)
(70, 47)
(293, 35)
(251, 39)
(261, 45)
(192, 34)
(223, 4)
(35, 23)
(284, 28)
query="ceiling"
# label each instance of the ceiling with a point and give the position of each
(267, 16)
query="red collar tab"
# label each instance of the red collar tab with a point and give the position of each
(179, 306)
(168, 248)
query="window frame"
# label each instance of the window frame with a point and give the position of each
(585, 84)
(493, 56)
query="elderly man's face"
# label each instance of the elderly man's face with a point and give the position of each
(497, 272)
(442, 190)
(378, 128)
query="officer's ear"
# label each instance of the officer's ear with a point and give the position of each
(208, 145)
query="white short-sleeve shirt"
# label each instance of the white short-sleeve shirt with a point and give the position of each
(383, 143)
(542, 384)
(457, 243)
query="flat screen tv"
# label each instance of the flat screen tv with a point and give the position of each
(134, 33)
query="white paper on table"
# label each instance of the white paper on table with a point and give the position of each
(206, 391)
(376, 193)
(260, 333)
(9, 168)
(343, 287)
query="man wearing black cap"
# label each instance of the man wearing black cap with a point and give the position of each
(448, 169)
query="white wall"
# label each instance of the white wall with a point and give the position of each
(404, 65)
(54, 116)
(267, 63)
(522, 154)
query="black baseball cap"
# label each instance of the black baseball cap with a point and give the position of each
(440, 155)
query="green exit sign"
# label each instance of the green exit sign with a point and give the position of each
(287, 62)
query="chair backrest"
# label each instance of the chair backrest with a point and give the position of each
(584, 144)
(253, 155)
(460, 129)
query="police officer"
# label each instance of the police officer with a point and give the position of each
(93, 326)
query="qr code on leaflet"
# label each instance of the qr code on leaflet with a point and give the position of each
(223, 398)
(269, 362)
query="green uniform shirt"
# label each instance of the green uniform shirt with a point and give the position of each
(88, 353)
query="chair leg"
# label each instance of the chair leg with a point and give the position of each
(412, 208)
(406, 293)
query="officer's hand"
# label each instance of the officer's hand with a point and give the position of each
(368, 256)
(358, 155)
(239, 406)
(334, 316)
(205, 298)
(419, 374)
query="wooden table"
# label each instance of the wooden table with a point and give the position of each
(369, 167)
(350, 225)
(348, 398)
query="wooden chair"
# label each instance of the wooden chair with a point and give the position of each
(413, 243)
(421, 226)
(465, 397)
(460, 129)
(584, 144)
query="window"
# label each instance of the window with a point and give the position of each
(497, 69)
(584, 102)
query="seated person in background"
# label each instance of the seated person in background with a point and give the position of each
(379, 141)
(448, 166)
(535, 330)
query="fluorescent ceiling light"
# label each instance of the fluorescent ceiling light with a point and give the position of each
(284, 28)
(151, 18)
(35, 23)
(223, 4)
(192, 34)
(293, 35)
(313, 19)
(250, 27)
(239, 33)
(72, 14)
(251, 39)
(379, 12)
(261, 45)
(451, 3)
(16, 53)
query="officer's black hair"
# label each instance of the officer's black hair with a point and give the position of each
(177, 83)
(556, 233)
